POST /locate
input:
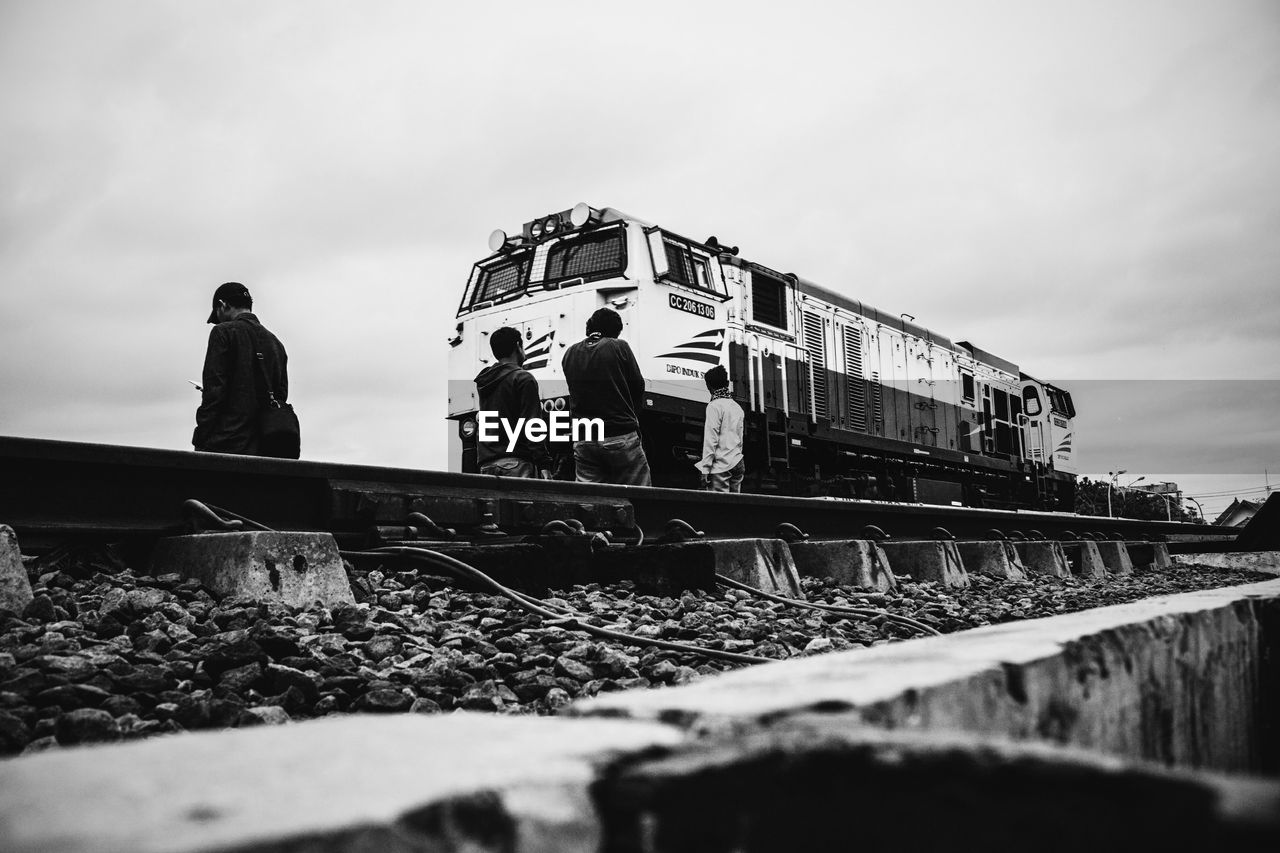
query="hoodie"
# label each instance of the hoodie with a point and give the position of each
(512, 393)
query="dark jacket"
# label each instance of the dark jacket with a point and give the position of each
(233, 395)
(604, 382)
(512, 392)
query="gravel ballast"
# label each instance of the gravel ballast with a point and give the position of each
(102, 654)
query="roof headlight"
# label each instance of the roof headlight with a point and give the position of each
(550, 224)
(497, 240)
(583, 213)
(536, 230)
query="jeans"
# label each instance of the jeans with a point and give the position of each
(510, 466)
(618, 460)
(727, 481)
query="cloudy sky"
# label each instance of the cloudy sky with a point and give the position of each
(1089, 189)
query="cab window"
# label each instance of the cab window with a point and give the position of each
(590, 256)
(686, 266)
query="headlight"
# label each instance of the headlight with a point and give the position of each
(560, 404)
(582, 214)
(468, 429)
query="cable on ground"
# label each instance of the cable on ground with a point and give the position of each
(862, 612)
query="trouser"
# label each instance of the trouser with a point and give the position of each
(618, 460)
(509, 466)
(727, 481)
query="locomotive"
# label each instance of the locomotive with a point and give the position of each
(841, 399)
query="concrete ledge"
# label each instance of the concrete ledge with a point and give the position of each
(296, 569)
(1084, 559)
(1115, 556)
(853, 562)
(15, 586)
(456, 782)
(1044, 558)
(996, 558)
(1154, 679)
(928, 561)
(815, 784)
(1258, 561)
(469, 782)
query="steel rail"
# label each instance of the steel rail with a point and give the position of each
(50, 490)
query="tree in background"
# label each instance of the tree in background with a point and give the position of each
(1091, 499)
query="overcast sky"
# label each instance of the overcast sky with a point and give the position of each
(1088, 189)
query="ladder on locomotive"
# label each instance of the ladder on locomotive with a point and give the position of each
(777, 437)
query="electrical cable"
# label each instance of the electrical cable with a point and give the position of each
(830, 608)
(1227, 494)
(527, 603)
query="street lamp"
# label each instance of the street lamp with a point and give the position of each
(1197, 503)
(1114, 475)
(1139, 480)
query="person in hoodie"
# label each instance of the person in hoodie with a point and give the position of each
(605, 382)
(511, 392)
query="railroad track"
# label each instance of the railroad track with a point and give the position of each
(52, 491)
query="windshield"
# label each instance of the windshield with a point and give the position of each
(596, 254)
(498, 278)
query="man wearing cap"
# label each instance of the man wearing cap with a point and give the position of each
(721, 465)
(232, 394)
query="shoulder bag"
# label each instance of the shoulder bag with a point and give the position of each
(279, 434)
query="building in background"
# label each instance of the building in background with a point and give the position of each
(1238, 514)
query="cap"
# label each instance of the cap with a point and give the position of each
(232, 292)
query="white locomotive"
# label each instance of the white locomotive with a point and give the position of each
(841, 398)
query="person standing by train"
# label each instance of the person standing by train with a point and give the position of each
(722, 466)
(605, 382)
(244, 366)
(511, 392)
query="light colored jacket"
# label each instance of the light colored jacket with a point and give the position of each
(721, 436)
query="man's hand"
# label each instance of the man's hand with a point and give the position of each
(544, 473)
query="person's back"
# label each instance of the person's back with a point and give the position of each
(722, 465)
(509, 393)
(233, 393)
(605, 382)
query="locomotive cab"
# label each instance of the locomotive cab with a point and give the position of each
(550, 279)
